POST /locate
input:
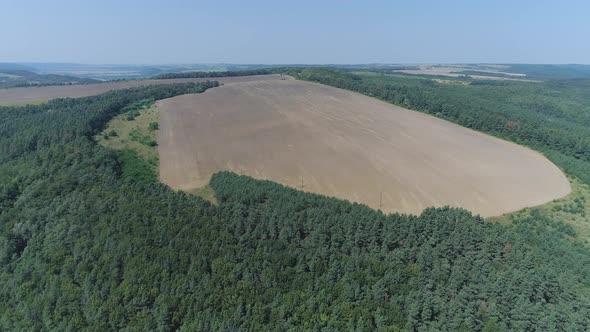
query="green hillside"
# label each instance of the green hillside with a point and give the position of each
(11, 77)
(85, 245)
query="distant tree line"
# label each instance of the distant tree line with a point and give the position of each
(213, 74)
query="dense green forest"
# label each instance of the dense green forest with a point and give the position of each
(85, 245)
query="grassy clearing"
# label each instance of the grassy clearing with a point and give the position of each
(572, 210)
(206, 193)
(133, 134)
(455, 82)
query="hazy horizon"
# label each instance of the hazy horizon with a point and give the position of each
(286, 64)
(306, 32)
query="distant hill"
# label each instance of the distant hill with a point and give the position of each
(547, 72)
(105, 72)
(16, 76)
(14, 66)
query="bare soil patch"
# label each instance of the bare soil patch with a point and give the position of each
(343, 144)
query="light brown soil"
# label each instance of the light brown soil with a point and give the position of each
(453, 72)
(347, 145)
(38, 94)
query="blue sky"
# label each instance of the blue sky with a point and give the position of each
(275, 32)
